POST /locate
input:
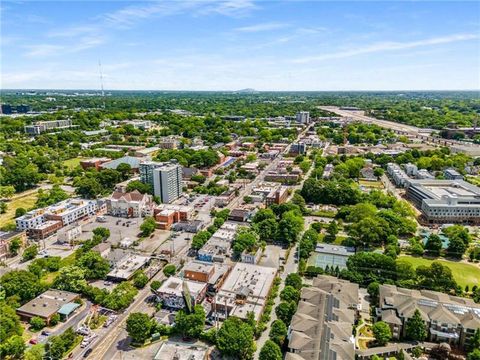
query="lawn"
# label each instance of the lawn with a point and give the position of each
(373, 184)
(464, 274)
(26, 201)
(72, 163)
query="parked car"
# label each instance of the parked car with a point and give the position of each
(88, 352)
(46, 333)
(33, 341)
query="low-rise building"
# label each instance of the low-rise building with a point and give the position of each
(94, 163)
(125, 267)
(277, 196)
(179, 293)
(245, 290)
(48, 304)
(331, 255)
(45, 126)
(449, 319)
(7, 237)
(44, 230)
(133, 161)
(452, 174)
(239, 215)
(129, 204)
(400, 178)
(179, 351)
(69, 233)
(324, 320)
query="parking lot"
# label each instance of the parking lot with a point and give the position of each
(120, 228)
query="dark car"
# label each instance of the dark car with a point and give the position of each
(88, 352)
(46, 333)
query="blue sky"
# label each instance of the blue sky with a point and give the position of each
(235, 44)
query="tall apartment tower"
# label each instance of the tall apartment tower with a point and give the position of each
(164, 178)
(303, 117)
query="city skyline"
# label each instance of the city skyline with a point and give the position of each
(236, 44)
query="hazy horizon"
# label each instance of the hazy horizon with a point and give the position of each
(212, 45)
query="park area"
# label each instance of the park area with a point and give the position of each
(464, 273)
(72, 163)
(24, 200)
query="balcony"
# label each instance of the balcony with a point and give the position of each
(445, 334)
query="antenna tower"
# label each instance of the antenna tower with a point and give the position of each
(101, 82)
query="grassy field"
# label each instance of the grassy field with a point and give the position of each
(372, 184)
(464, 274)
(20, 201)
(72, 163)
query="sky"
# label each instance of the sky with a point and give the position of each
(237, 44)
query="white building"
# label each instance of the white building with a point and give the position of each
(68, 212)
(173, 291)
(68, 234)
(129, 204)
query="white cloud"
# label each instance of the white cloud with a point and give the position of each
(387, 46)
(268, 26)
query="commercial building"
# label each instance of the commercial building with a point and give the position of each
(168, 143)
(165, 179)
(446, 201)
(303, 117)
(44, 126)
(168, 214)
(277, 196)
(125, 267)
(180, 351)
(129, 204)
(323, 324)
(49, 303)
(69, 233)
(6, 239)
(245, 290)
(452, 174)
(449, 319)
(298, 148)
(180, 293)
(133, 161)
(93, 163)
(147, 152)
(39, 222)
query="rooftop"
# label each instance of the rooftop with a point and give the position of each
(48, 303)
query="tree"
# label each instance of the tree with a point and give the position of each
(382, 333)
(148, 226)
(21, 283)
(103, 232)
(434, 244)
(70, 278)
(88, 187)
(35, 352)
(474, 354)
(139, 186)
(436, 277)
(289, 293)
(37, 323)
(155, 285)
(235, 339)
(474, 342)
(285, 311)
(50, 197)
(3, 207)
(20, 212)
(456, 248)
(278, 332)
(13, 348)
(7, 191)
(94, 265)
(373, 290)
(120, 297)
(270, 351)
(10, 322)
(266, 229)
(245, 239)
(14, 246)
(169, 270)
(415, 327)
(190, 326)
(125, 170)
(30, 253)
(140, 280)
(290, 226)
(294, 280)
(139, 326)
